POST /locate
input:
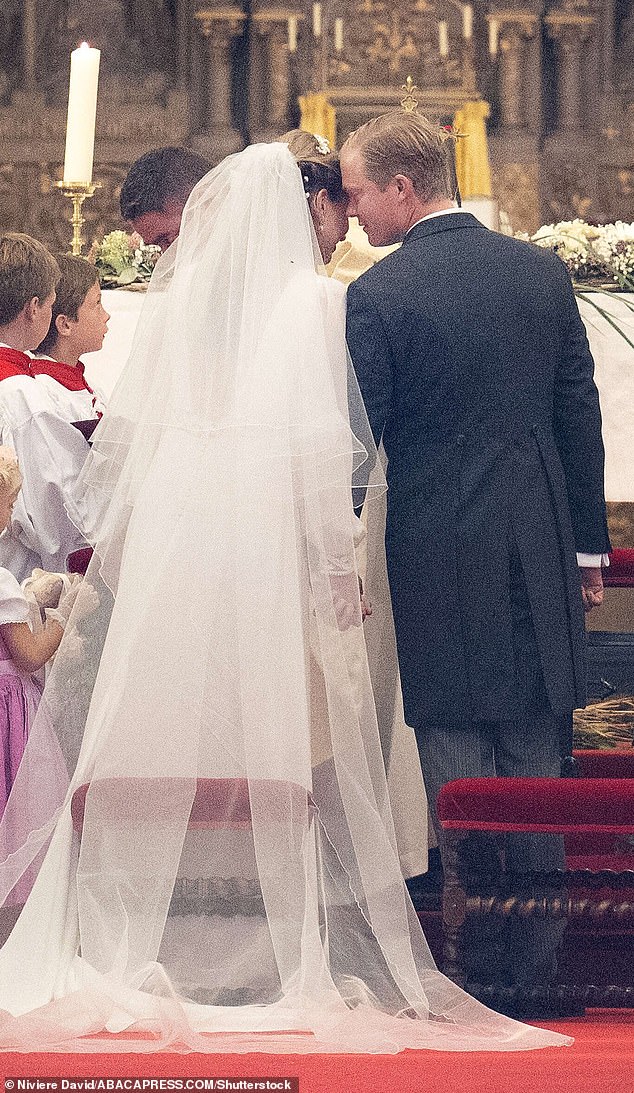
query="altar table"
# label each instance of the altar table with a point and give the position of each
(614, 375)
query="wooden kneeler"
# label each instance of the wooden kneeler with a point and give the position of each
(219, 804)
(603, 806)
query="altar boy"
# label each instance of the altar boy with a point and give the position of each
(50, 451)
(78, 325)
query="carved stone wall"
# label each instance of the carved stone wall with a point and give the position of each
(517, 188)
(217, 74)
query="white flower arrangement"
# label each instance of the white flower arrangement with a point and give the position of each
(592, 253)
(123, 260)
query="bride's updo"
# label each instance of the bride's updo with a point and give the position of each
(318, 164)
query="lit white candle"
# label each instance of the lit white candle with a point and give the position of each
(467, 22)
(443, 38)
(317, 20)
(494, 30)
(292, 33)
(339, 35)
(82, 112)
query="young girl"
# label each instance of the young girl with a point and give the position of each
(22, 652)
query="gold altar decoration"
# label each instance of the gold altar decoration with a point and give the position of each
(409, 102)
(319, 116)
(472, 155)
(77, 192)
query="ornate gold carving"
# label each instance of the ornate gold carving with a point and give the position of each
(221, 20)
(148, 98)
(409, 103)
(393, 43)
(276, 15)
(522, 16)
(567, 25)
(568, 185)
(370, 7)
(516, 186)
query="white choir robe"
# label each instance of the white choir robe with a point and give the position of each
(51, 453)
(71, 405)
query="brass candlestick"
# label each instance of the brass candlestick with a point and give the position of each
(77, 192)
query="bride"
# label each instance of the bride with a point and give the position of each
(222, 874)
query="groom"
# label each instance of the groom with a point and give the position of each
(475, 371)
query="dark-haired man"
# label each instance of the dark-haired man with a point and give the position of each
(155, 191)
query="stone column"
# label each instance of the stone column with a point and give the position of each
(515, 143)
(517, 27)
(219, 26)
(570, 31)
(610, 105)
(29, 44)
(271, 27)
(607, 29)
(534, 76)
(184, 44)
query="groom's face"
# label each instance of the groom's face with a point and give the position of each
(380, 212)
(160, 227)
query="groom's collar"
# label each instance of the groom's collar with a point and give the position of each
(448, 220)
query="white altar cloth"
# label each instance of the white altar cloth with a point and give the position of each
(614, 375)
(104, 368)
(613, 356)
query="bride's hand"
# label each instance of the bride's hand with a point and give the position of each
(346, 601)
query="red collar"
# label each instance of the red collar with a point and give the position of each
(13, 363)
(70, 378)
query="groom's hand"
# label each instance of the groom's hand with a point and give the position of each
(591, 586)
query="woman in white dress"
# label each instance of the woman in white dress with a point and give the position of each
(224, 557)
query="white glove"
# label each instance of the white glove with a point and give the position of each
(80, 600)
(45, 588)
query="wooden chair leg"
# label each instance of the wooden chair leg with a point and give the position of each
(454, 908)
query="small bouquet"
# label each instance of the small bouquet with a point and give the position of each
(593, 254)
(123, 260)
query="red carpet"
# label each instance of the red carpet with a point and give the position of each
(600, 1061)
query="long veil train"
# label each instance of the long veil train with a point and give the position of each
(222, 873)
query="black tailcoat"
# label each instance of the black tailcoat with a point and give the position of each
(475, 370)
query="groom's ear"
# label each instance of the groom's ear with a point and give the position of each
(404, 187)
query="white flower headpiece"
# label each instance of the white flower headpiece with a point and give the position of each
(323, 147)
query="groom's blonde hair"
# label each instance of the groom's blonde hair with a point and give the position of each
(404, 144)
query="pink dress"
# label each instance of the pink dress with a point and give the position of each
(19, 692)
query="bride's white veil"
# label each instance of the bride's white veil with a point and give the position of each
(229, 878)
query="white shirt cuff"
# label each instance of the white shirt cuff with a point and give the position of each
(593, 561)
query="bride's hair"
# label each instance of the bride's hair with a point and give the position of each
(319, 166)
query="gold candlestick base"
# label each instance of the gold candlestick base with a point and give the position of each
(77, 192)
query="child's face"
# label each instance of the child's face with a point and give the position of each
(8, 498)
(89, 329)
